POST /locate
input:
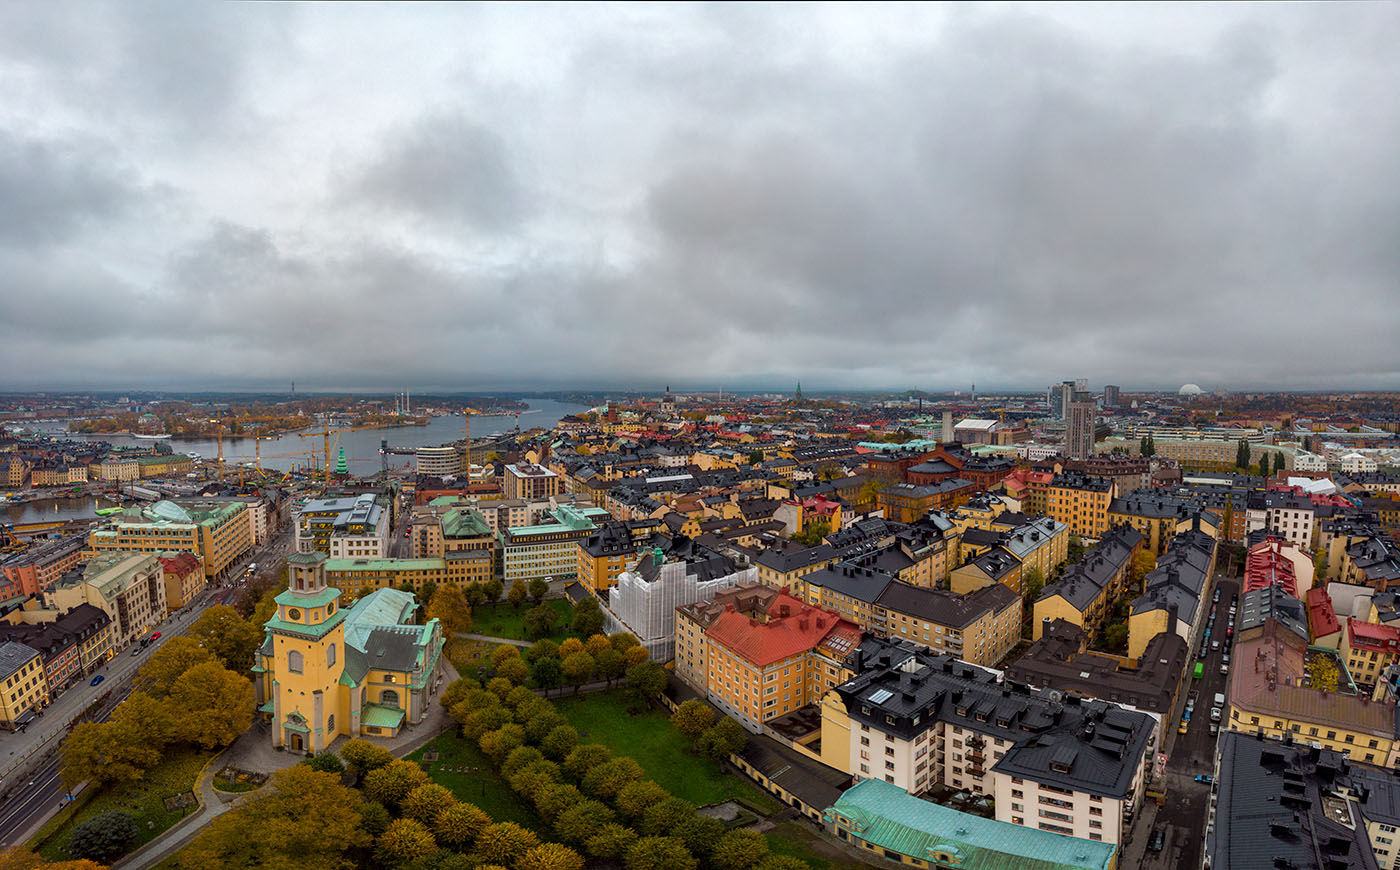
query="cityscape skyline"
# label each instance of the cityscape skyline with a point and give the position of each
(227, 196)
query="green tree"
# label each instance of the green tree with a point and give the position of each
(458, 826)
(645, 681)
(622, 641)
(739, 850)
(610, 777)
(374, 818)
(539, 588)
(492, 590)
(1320, 565)
(391, 783)
(611, 843)
(1227, 519)
(539, 622)
(403, 841)
(518, 594)
(542, 649)
(664, 817)
(783, 862)
(549, 673)
(723, 739)
(699, 833)
(304, 816)
(168, 663)
(505, 843)
(503, 653)
(426, 802)
(104, 838)
(215, 705)
(326, 761)
(578, 669)
(588, 617)
(552, 800)
(1115, 637)
(498, 744)
(583, 821)
(610, 664)
(1242, 455)
(1075, 549)
(232, 639)
(692, 718)
(1035, 583)
(559, 742)
(659, 853)
(586, 758)
(813, 533)
(635, 797)
(519, 757)
(550, 856)
(362, 757)
(451, 608)
(475, 594)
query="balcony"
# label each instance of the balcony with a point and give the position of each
(976, 770)
(976, 756)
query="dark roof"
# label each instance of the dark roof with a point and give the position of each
(943, 607)
(1085, 580)
(394, 649)
(816, 785)
(1278, 804)
(1059, 660)
(861, 584)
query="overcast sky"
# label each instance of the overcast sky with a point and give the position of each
(358, 196)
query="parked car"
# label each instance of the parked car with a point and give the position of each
(1214, 729)
(155, 636)
(1158, 841)
(1205, 778)
(1214, 645)
(1184, 726)
(1215, 714)
(97, 679)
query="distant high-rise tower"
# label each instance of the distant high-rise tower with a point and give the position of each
(1110, 395)
(1079, 426)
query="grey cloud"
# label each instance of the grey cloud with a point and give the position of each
(52, 190)
(446, 167)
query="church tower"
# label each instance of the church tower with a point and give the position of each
(797, 396)
(308, 658)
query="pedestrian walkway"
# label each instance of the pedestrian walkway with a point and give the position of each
(523, 644)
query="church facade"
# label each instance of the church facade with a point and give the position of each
(323, 671)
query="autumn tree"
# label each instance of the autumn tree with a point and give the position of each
(723, 739)
(104, 753)
(611, 843)
(539, 621)
(554, 799)
(659, 853)
(214, 705)
(692, 718)
(426, 802)
(403, 841)
(610, 777)
(739, 850)
(635, 797)
(699, 833)
(518, 595)
(451, 608)
(391, 783)
(306, 819)
(228, 636)
(585, 758)
(458, 825)
(505, 843)
(514, 670)
(20, 858)
(663, 817)
(539, 588)
(550, 856)
(578, 668)
(559, 742)
(582, 821)
(168, 663)
(362, 757)
(588, 617)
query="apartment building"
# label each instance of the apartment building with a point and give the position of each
(40, 567)
(548, 549)
(767, 661)
(605, 553)
(434, 532)
(1175, 592)
(786, 564)
(344, 528)
(907, 502)
(184, 579)
(529, 481)
(129, 587)
(72, 644)
(916, 720)
(1080, 502)
(23, 688)
(981, 628)
(359, 577)
(217, 531)
(1086, 591)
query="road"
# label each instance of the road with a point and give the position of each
(27, 795)
(1183, 817)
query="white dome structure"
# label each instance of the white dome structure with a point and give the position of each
(1189, 390)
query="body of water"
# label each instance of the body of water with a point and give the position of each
(361, 448)
(48, 509)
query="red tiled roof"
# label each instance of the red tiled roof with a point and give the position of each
(179, 564)
(792, 628)
(1322, 618)
(1370, 636)
(1267, 566)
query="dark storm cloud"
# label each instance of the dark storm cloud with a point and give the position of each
(857, 196)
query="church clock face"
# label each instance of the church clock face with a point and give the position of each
(294, 615)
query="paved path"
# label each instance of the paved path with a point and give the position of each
(523, 644)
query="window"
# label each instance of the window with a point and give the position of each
(294, 662)
(389, 698)
(330, 722)
(330, 656)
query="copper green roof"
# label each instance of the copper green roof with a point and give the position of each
(381, 717)
(888, 817)
(293, 598)
(464, 523)
(313, 558)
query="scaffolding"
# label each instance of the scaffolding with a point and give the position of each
(646, 608)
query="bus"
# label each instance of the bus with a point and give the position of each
(1200, 670)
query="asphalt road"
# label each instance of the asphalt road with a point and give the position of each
(26, 796)
(1183, 817)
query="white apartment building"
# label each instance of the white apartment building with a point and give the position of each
(130, 587)
(1056, 763)
(1357, 463)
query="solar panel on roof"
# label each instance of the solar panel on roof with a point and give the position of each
(880, 696)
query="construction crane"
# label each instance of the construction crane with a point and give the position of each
(326, 434)
(467, 438)
(9, 542)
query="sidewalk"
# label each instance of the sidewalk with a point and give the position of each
(523, 644)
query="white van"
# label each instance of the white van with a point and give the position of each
(1219, 700)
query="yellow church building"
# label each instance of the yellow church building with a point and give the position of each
(323, 672)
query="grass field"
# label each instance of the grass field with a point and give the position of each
(798, 840)
(502, 620)
(468, 655)
(482, 786)
(662, 751)
(142, 800)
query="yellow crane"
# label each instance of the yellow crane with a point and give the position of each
(467, 438)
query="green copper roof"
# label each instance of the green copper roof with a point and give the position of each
(380, 717)
(315, 557)
(464, 523)
(886, 816)
(303, 599)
